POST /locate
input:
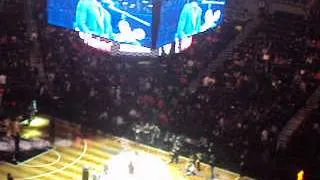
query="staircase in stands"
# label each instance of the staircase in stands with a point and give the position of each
(227, 52)
(35, 53)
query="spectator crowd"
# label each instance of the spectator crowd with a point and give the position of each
(240, 107)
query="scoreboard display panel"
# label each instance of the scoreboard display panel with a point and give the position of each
(180, 19)
(123, 21)
(135, 26)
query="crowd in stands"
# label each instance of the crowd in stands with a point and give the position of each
(15, 68)
(150, 90)
(269, 77)
(241, 106)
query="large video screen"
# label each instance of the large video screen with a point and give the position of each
(127, 22)
(180, 19)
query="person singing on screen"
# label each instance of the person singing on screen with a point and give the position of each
(92, 18)
(190, 20)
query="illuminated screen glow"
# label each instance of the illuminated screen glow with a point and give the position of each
(125, 27)
(123, 21)
(180, 19)
(145, 167)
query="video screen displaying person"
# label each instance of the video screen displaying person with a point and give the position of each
(180, 19)
(190, 20)
(92, 18)
(124, 21)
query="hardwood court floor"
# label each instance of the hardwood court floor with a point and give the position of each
(66, 162)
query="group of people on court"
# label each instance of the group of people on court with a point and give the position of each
(12, 129)
(193, 167)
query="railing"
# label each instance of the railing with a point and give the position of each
(293, 2)
(298, 119)
(288, 6)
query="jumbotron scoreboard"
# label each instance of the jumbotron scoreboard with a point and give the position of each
(137, 27)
